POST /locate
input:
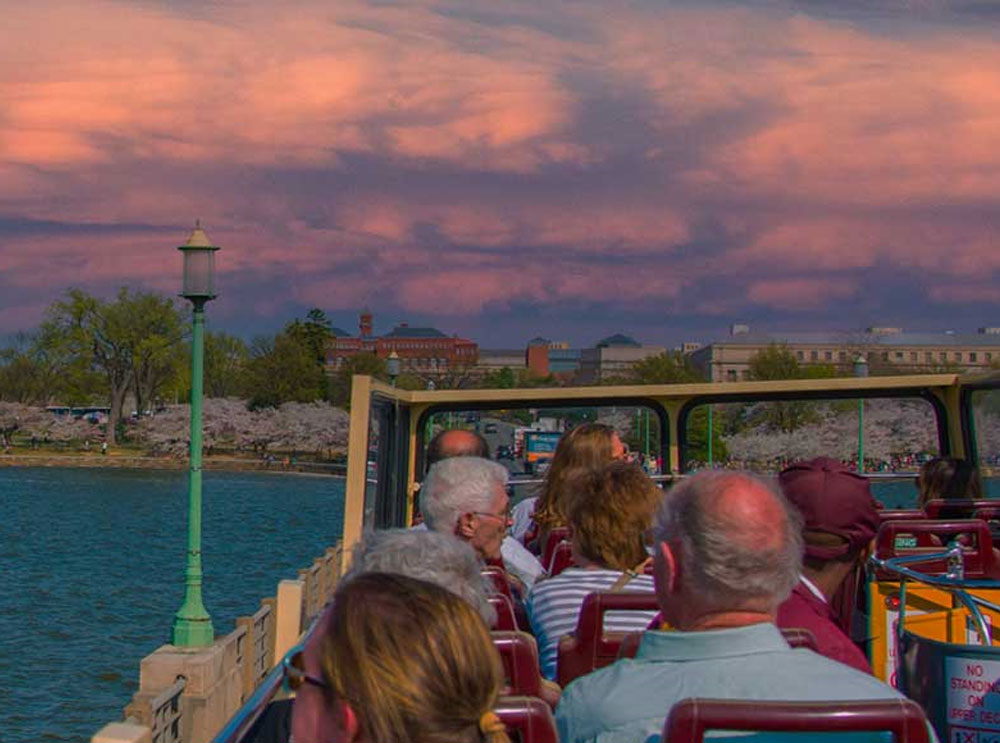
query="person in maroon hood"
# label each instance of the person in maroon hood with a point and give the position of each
(839, 523)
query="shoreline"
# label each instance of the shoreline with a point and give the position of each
(118, 461)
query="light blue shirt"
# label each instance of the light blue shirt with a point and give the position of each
(628, 701)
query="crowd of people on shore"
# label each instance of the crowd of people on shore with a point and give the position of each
(404, 650)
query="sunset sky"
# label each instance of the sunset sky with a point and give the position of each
(507, 169)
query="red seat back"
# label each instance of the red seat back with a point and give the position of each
(558, 534)
(562, 557)
(987, 513)
(519, 653)
(498, 579)
(528, 720)
(901, 538)
(589, 647)
(797, 637)
(689, 719)
(504, 607)
(954, 508)
(900, 514)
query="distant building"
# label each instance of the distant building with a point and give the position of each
(421, 350)
(728, 359)
(613, 356)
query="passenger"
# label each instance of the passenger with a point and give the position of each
(437, 558)
(948, 478)
(458, 442)
(609, 514)
(398, 660)
(727, 554)
(587, 447)
(839, 523)
(467, 497)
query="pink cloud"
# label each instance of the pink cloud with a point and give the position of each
(799, 294)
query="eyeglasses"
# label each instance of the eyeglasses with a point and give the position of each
(293, 669)
(504, 515)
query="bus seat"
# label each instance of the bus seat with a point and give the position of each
(941, 508)
(589, 647)
(519, 653)
(556, 535)
(504, 607)
(900, 514)
(562, 557)
(899, 538)
(690, 719)
(498, 579)
(527, 719)
(797, 637)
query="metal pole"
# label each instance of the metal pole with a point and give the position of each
(646, 412)
(710, 459)
(861, 435)
(192, 624)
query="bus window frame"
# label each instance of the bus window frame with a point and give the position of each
(923, 393)
(967, 417)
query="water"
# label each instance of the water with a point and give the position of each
(92, 571)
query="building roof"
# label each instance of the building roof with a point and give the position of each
(619, 340)
(339, 333)
(860, 339)
(539, 341)
(405, 331)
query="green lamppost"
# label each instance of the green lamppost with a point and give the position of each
(192, 624)
(861, 370)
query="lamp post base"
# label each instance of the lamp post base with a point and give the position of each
(193, 633)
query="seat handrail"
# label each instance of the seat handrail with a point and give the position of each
(690, 719)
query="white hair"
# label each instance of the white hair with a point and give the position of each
(436, 558)
(459, 485)
(725, 561)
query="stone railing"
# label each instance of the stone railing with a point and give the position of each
(186, 694)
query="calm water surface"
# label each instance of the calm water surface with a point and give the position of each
(92, 571)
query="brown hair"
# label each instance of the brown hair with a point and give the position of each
(581, 449)
(610, 512)
(948, 478)
(413, 661)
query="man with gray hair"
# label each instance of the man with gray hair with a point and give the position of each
(727, 552)
(467, 497)
(457, 443)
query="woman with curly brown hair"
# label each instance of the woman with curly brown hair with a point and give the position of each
(399, 660)
(588, 447)
(609, 513)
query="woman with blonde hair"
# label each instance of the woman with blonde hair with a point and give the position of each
(588, 447)
(398, 660)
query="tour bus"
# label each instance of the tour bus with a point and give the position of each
(923, 609)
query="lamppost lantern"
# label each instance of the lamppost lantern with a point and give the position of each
(392, 367)
(861, 366)
(199, 266)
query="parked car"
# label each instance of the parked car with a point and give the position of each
(490, 428)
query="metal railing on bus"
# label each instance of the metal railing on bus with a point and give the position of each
(954, 581)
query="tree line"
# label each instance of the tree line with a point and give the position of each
(93, 351)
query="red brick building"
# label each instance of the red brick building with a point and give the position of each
(425, 351)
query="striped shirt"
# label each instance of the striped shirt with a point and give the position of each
(554, 607)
